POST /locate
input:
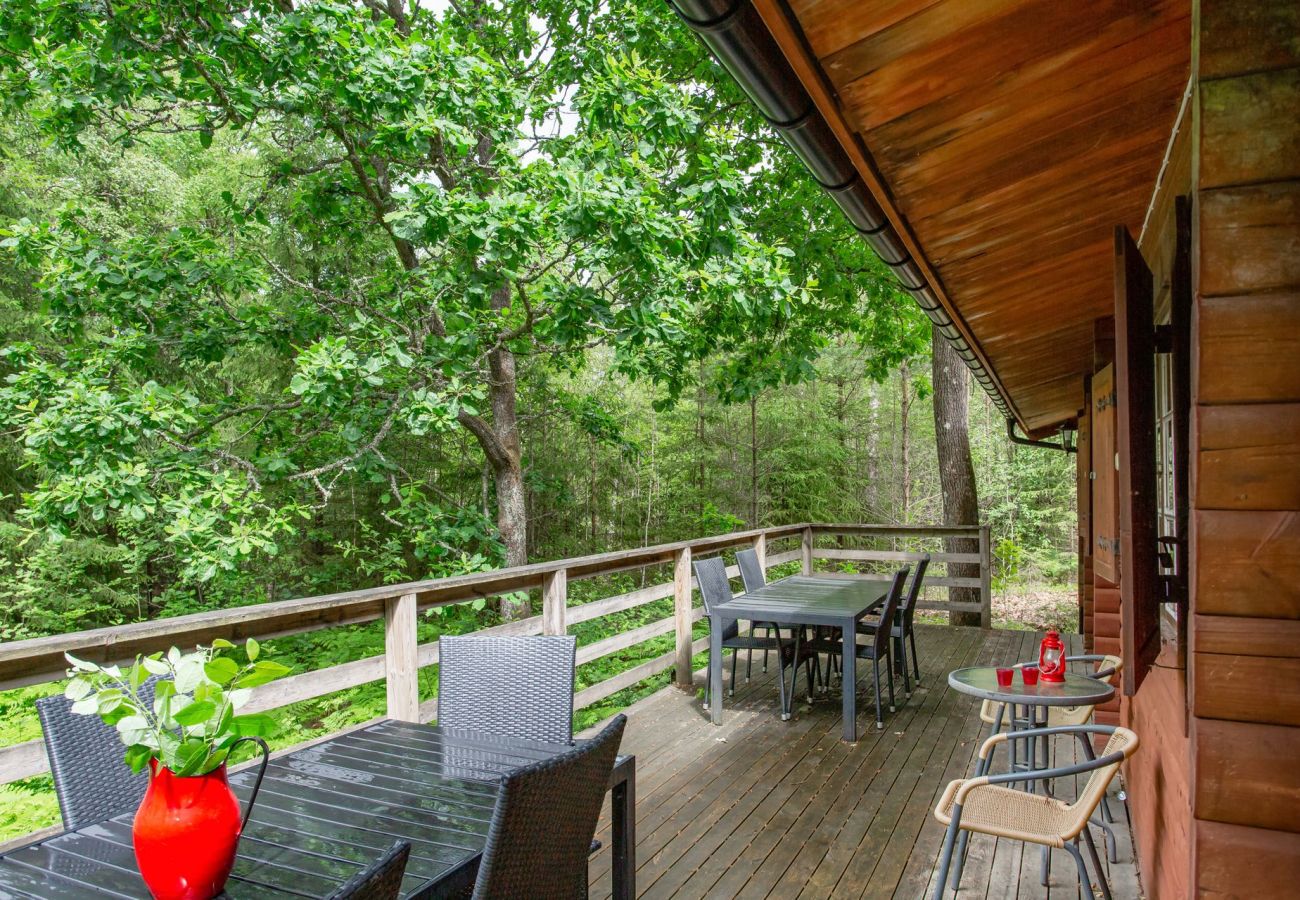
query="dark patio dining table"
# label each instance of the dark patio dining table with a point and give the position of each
(803, 600)
(327, 810)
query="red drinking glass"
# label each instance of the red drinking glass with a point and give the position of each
(1004, 677)
(1030, 675)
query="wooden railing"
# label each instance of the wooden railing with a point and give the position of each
(41, 660)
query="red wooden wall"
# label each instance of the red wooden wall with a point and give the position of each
(1245, 629)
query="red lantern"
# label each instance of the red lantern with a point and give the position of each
(1051, 658)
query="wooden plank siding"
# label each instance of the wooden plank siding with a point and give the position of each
(1245, 626)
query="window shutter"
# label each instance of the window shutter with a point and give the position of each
(1105, 514)
(1140, 587)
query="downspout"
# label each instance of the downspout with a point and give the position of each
(737, 37)
(1046, 445)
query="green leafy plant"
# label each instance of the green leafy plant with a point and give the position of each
(191, 725)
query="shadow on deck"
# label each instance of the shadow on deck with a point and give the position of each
(758, 807)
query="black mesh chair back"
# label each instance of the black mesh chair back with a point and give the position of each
(715, 588)
(908, 607)
(751, 573)
(544, 820)
(381, 880)
(508, 686)
(91, 777)
(881, 635)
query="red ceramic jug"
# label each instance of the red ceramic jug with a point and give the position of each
(186, 832)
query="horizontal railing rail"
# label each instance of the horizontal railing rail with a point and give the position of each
(41, 660)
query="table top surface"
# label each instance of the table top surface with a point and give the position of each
(807, 600)
(324, 813)
(1076, 690)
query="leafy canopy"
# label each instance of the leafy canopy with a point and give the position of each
(404, 193)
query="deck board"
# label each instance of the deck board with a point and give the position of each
(758, 807)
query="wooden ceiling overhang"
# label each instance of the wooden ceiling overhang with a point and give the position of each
(1005, 139)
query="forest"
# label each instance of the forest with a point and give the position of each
(300, 299)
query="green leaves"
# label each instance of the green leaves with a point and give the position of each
(192, 722)
(221, 670)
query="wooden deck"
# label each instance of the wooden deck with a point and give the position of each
(758, 807)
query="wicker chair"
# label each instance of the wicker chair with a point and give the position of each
(509, 686)
(381, 880)
(902, 632)
(715, 588)
(91, 780)
(981, 805)
(544, 820)
(752, 577)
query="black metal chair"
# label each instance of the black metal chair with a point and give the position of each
(381, 880)
(881, 640)
(91, 779)
(715, 588)
(544, 820)
(509, 686)
(752, 577)
(902, 632)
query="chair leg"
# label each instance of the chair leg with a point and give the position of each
(749, 657)
(1112, 847)
(960, 862)
(889, 668)
(945, 858)
(1045, 866)
(1084, 880)
(708, 678)
(983, 767)
(916, 669)
(1096, 863)
(875, 677)
(907, 675)
(731, 688)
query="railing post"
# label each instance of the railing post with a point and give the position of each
(682, 616)
(986, 577)
(555, 594)
(760, 550)
(807, 551)
(401, 658)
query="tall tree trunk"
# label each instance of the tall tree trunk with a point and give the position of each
(753, 461)
(871, 499)
(507, 467)
(905, 409)
(956, 471)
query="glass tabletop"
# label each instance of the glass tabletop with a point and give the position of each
(1076, 690)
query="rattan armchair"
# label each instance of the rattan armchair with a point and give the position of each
(982, 805)
(91, 779)
(381, 880)
(511, 686)
(544, 820)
